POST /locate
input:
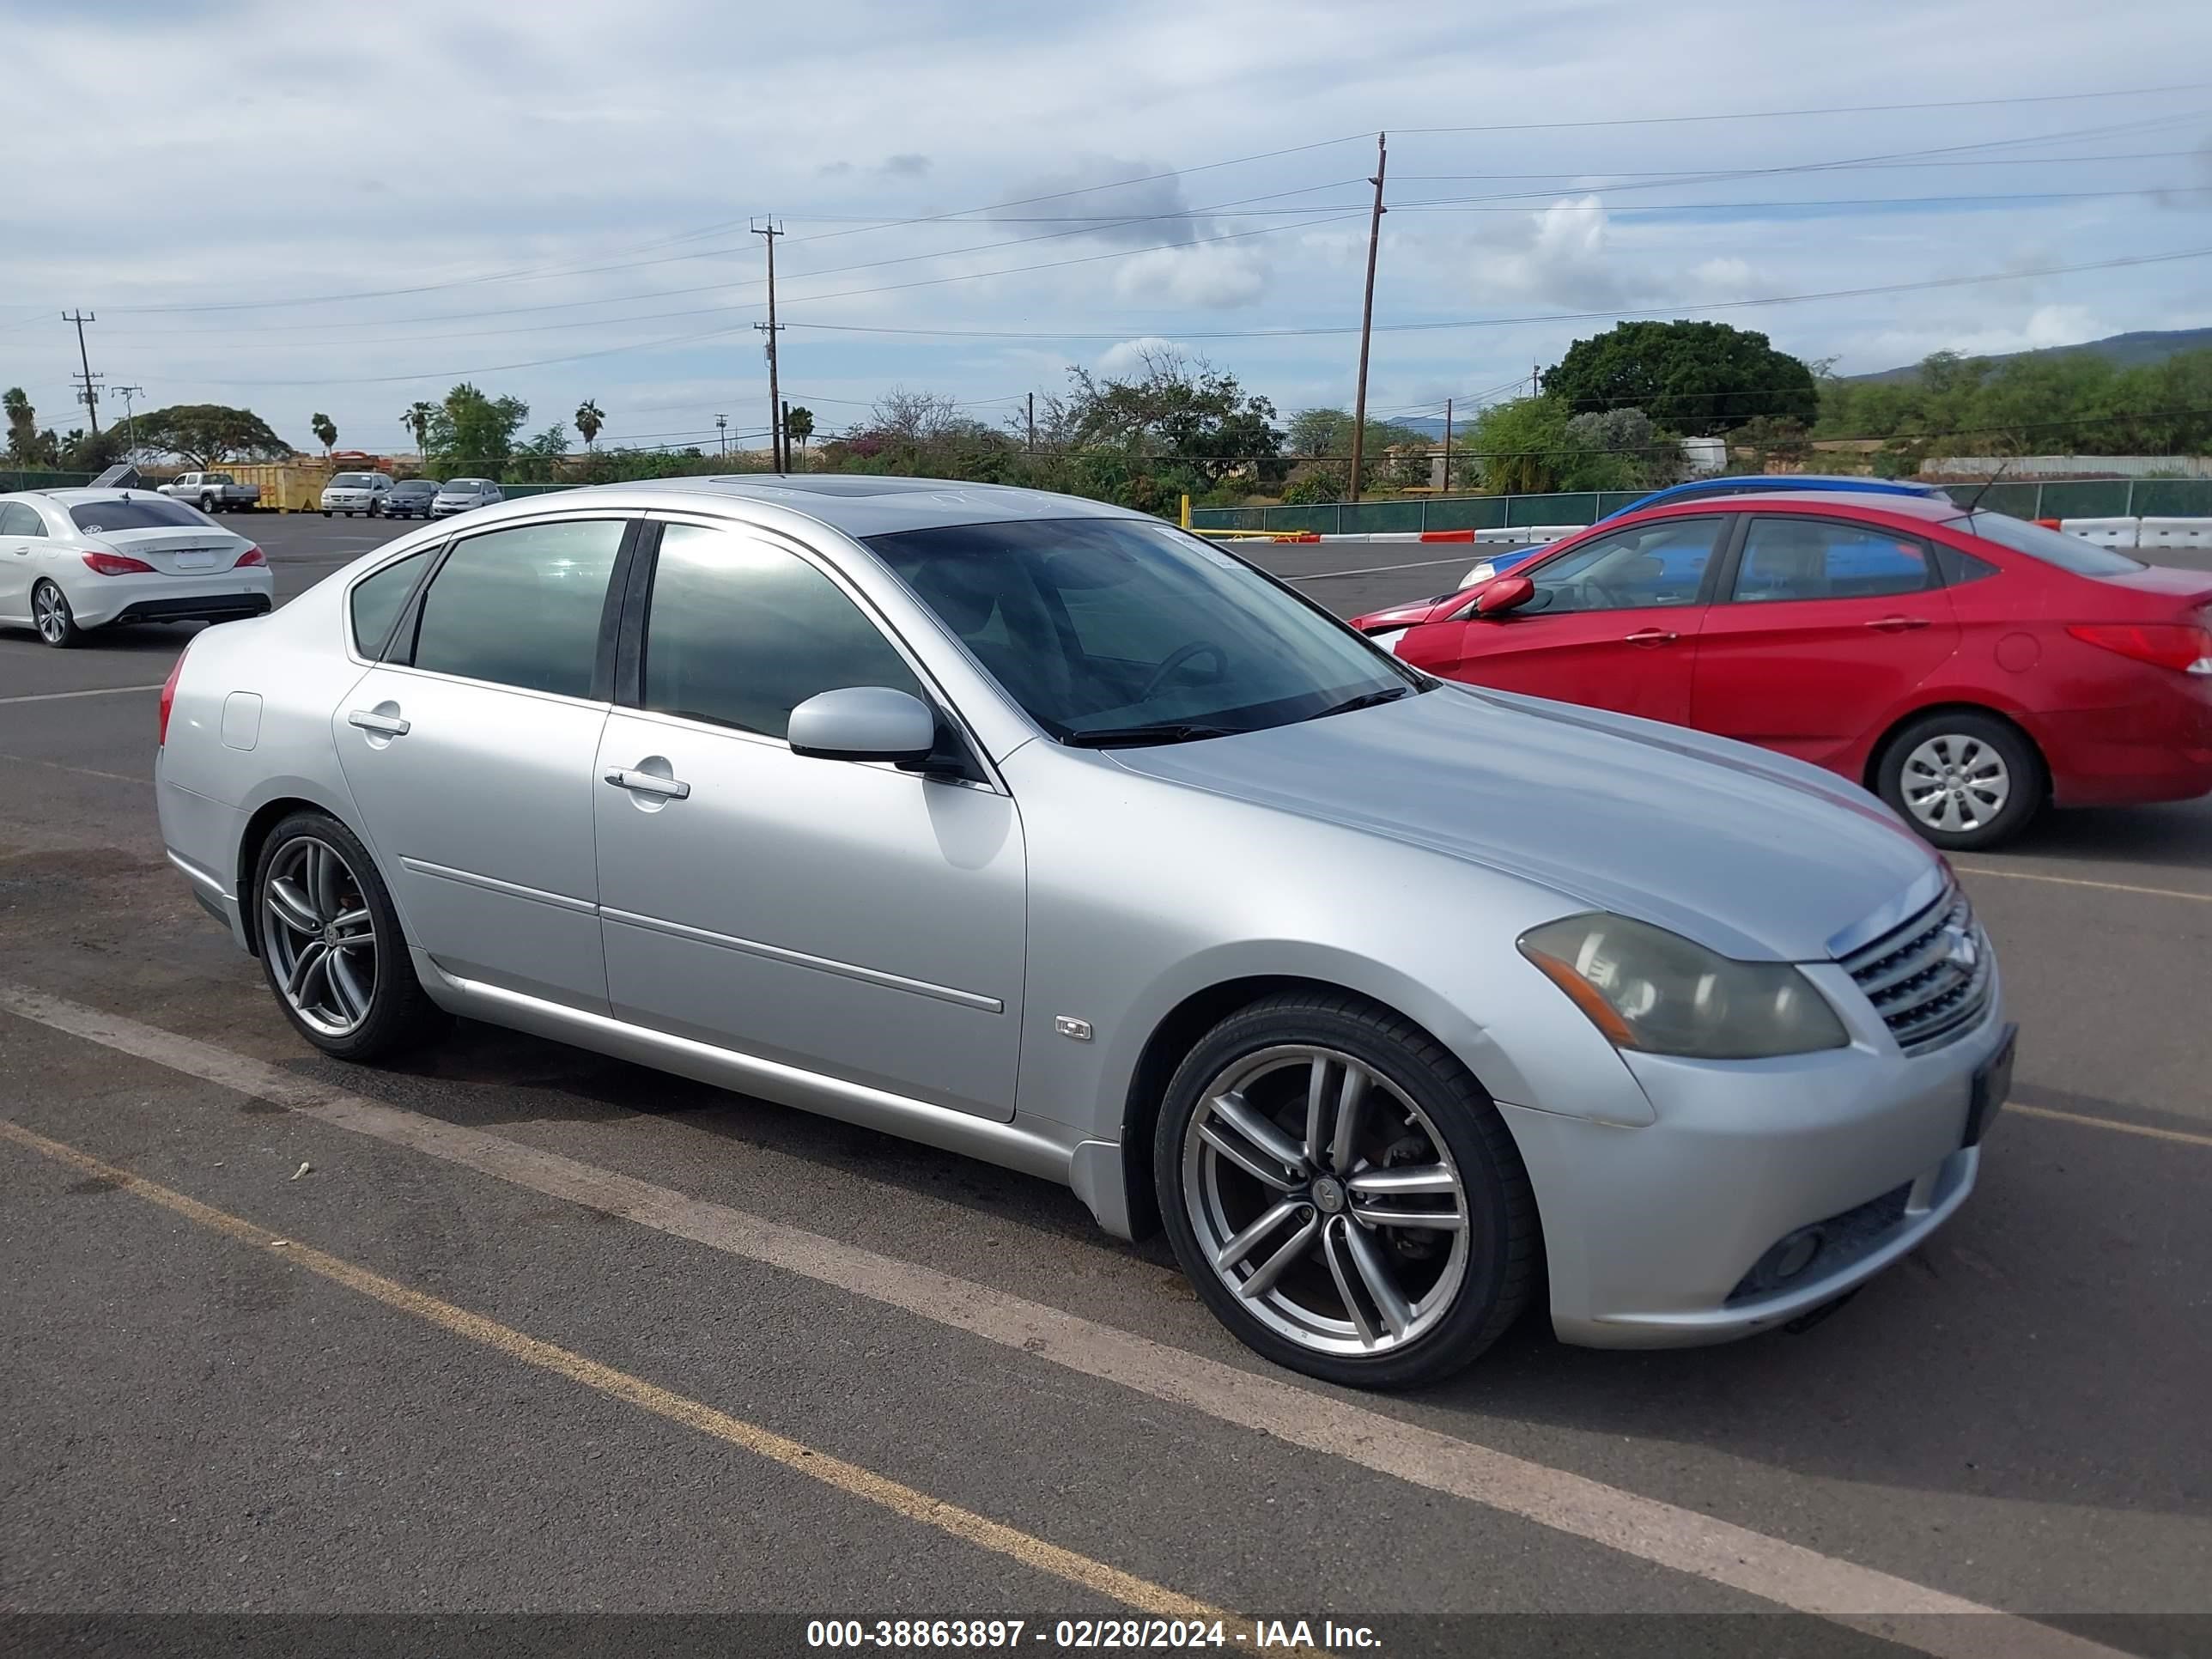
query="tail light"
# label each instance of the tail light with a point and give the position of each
(169, 699)
(115, 564)
(252, 555)
(2183, 646)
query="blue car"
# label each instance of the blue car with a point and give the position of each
(1755, 484)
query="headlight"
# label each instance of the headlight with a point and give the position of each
(1649, 989)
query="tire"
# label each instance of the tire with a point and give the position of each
(211, 505)
(51, 616)
(372, 509)
(327, 513)
(371, 1004)
(1421, 1112)
(1962, 779)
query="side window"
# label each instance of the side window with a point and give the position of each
(1653, 565)
(1788, 559)
(378, 600)
(521, 607)
(741, 633)
(1960, 568)
(16, 519)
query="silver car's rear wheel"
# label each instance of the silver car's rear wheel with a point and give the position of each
(51, 616)
(320, 936)
(1326, 1200)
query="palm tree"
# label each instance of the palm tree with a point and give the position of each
(417, 420)
(799, 423)
(589, 420)
(325, 430)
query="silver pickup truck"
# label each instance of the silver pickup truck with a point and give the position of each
(213, 492)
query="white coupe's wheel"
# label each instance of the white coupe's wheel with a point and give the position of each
(51, 616)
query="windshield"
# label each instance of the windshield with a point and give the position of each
(2082, 557)
(354, 481)
(415, 487)
(462, 486)
(1125, 630)
(139, 513)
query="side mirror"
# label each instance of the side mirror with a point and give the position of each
(1504, 595)
(863, 723)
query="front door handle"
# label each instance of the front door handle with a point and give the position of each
(1650, 637)
(649, 783)
(1896, 624)
(385, 726)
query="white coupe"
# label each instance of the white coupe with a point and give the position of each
(72, 560)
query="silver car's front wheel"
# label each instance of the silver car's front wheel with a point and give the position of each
(320, 937)
(1343, 1193)
(1325, 1200)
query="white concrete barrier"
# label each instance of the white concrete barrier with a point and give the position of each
(2136, 534)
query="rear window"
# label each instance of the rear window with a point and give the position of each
(2083, 558)
(139, 513)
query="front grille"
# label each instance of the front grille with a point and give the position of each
(1929, 979)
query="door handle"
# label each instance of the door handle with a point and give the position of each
(1650, 637)
(648, 783)
(386, 725)
(1896, 624)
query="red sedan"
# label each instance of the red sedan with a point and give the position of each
(1967, 668)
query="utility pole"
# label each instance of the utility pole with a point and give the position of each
(771, 230)
(91, 396)
(1367, 312)
(130, 416)
(1535, 379)
(722, 435)
(1032, 423)
(783, 435)
(1447, 488)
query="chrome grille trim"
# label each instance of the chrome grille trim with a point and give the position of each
(1926, 994)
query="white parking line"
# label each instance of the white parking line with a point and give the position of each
(2081, 881)
(97, 691)
(1684, 1540)
(81, 771)
(1469, 559)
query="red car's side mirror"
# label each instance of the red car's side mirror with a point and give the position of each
(1503, 595)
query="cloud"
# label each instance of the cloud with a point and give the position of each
(1559, 256)
(833, 169)
(906, 165)
(1213, 278)
(1136, 204)
(1127, 357)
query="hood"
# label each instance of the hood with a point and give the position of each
(1406, 615)
(1751, 854)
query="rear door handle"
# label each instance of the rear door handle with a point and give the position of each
(648, 783)
(388, 726)
(1650, 637)
(1896, 624)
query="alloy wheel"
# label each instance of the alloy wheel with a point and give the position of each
(1325, 1200)
(50, 613)
(1955, 782)
(320, 937)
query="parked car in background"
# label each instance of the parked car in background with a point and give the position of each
(1702, 489)
(411, 498)
(213, 492)
(970, 814)
(357, 492)
(461, 495)
(1968, 667)
(73, 560)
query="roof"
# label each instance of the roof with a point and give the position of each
(862, 506)
(79, 497)
(1936, 509)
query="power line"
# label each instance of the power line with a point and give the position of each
(1830, 109)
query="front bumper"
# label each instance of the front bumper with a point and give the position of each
(1651, 1234)
(211, 596)
(361, 505)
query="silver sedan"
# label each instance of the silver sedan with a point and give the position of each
(1038, 830)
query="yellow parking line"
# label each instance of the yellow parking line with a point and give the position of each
(849, 1477)
(2079, 881)
(2182, 1135)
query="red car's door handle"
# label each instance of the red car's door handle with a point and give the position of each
(1898, 624)
(1650, 637)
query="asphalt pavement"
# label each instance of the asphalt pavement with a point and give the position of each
(515, 1330)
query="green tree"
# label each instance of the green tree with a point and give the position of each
(417, 421)
(27, 445)
(471, 433)
(799, 423)
(538, 460)
(589, 420)
(1690, 377)
(1179, 413)
(325, 430)
(1520, 445)
(209, 434)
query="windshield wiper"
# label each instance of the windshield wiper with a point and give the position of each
(1129, 737)
(1369, 700)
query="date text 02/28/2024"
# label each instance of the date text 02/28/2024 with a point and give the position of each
(1084, 1634)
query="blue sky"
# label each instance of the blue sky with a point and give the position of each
(307, 209)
